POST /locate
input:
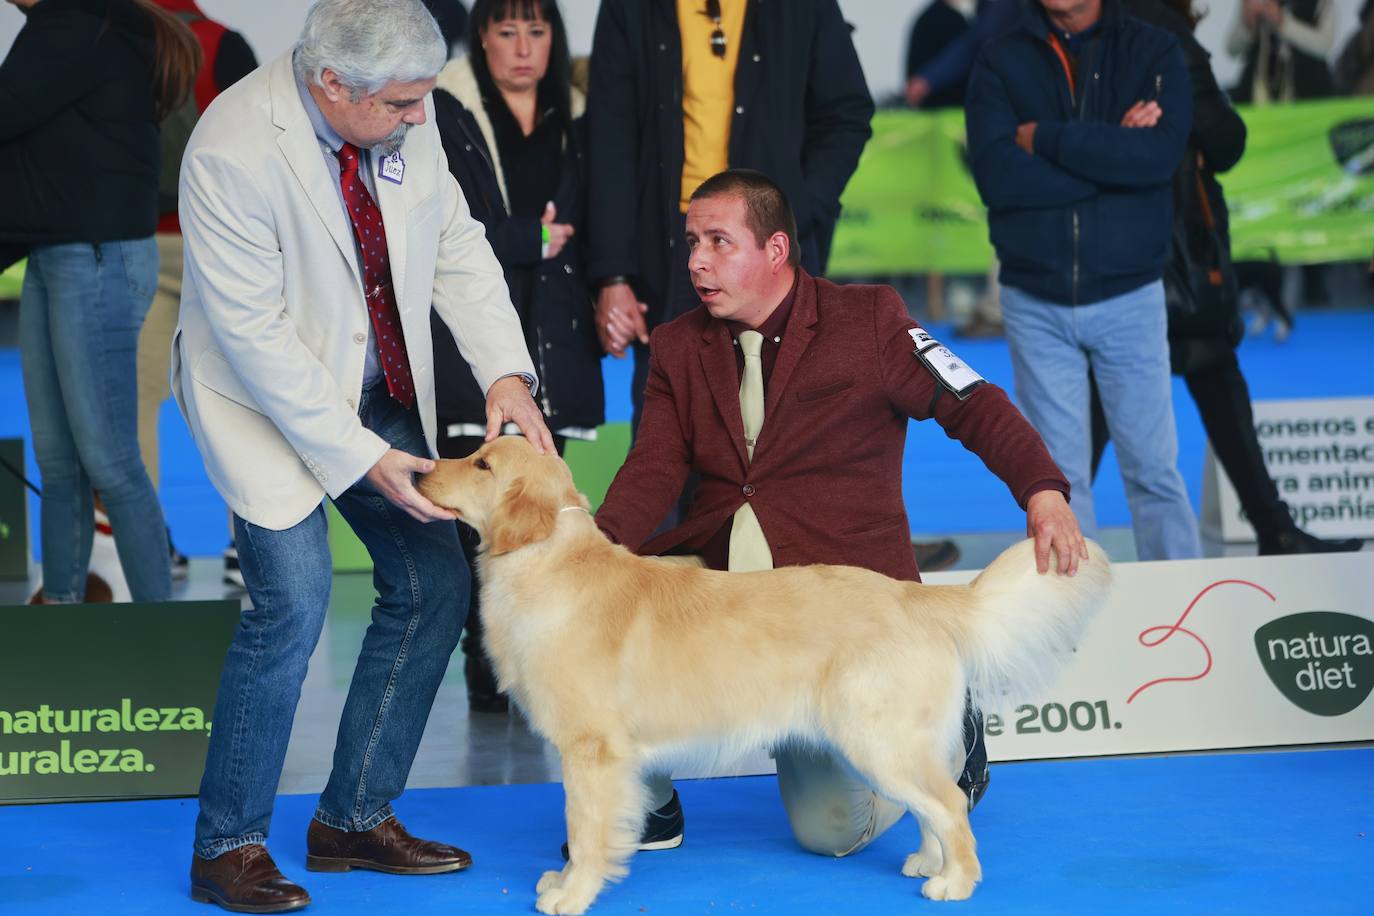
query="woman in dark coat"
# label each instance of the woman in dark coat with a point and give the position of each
(512, 130)
(1202, 345)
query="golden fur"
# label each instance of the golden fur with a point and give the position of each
(617, 659)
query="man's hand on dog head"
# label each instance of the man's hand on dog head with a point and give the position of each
(509, 401)
(393, 476)
(1052, 523)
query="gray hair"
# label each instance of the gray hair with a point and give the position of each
(369, 43)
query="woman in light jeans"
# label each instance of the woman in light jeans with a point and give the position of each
(82, 91)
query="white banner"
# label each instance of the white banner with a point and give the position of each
(1205, 654)
(1321, 456)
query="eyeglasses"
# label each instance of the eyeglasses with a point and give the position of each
(717, 36)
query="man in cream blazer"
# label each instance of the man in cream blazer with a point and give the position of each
(278, 370)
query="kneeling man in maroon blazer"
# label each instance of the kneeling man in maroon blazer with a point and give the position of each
(788, 396)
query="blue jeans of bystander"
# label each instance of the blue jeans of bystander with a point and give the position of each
(80, 313)
(1123, 342)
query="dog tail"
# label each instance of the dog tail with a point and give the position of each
(1024, 626)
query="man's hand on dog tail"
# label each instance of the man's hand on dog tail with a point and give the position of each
(1052, 523)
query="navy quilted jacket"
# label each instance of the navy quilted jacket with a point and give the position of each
(1089, 215)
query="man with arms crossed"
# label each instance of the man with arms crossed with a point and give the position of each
(789, 396)
(320, 225)
(1077, 119)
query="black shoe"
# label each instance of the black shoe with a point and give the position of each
(933, 556)
(662, 828)
(974, 778)
(181, 565)
(1296, 540)
(232, 574)
(483, 696)
(981, 328)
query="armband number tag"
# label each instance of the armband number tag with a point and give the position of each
(950, 370)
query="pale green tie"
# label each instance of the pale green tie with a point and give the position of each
(748, 547)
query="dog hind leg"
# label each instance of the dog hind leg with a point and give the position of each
(908, 771)
(605, 811)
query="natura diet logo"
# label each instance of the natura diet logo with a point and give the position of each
(1322, 661)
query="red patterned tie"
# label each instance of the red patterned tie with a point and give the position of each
(377, 288)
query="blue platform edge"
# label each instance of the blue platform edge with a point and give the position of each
(1284, 832)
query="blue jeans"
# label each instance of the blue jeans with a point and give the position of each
(1123, 341)
(421, 578)
(80, 312)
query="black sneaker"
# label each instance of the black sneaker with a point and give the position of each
(181, 565)
(974, 778)
(933, 556)
(662, 828)
(232, 574)
(1296, 540)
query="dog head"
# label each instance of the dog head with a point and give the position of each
(505, 490)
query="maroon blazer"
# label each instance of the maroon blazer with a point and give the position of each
(826, 479)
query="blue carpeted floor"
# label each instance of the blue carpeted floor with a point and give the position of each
(1254, 833)
(947, 489)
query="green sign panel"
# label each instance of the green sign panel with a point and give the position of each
(14, 512)
(1303, 192)
(103, 701)
(11, 281)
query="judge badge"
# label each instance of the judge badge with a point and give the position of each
(951, 371)
(392, 168)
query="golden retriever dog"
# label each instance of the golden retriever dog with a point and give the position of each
(619, 660)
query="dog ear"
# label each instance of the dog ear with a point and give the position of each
(525, 516)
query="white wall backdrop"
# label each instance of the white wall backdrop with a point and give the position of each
(880, 30)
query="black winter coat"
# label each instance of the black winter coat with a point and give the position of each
(1088, 216)
(802, 112)
(938, 26)
(555, 309)
(78, 134)
(1218, 138)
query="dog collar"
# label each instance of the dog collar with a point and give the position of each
(573, 509)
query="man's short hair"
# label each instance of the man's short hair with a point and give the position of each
(369, 43)
(766, 210)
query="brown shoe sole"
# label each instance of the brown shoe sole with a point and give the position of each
(204, 895)
(320, 863)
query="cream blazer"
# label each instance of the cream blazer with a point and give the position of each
(267, 361)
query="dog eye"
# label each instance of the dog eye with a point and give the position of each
(482, 465)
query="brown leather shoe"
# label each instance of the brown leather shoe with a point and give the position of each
(386, 847)
(245, 880)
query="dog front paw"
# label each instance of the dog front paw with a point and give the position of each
(925, 863)
(947, 887)
(566, 901)
(549, 881)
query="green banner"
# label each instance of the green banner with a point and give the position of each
(1304, 192)
(11, 280)
(109, 700)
